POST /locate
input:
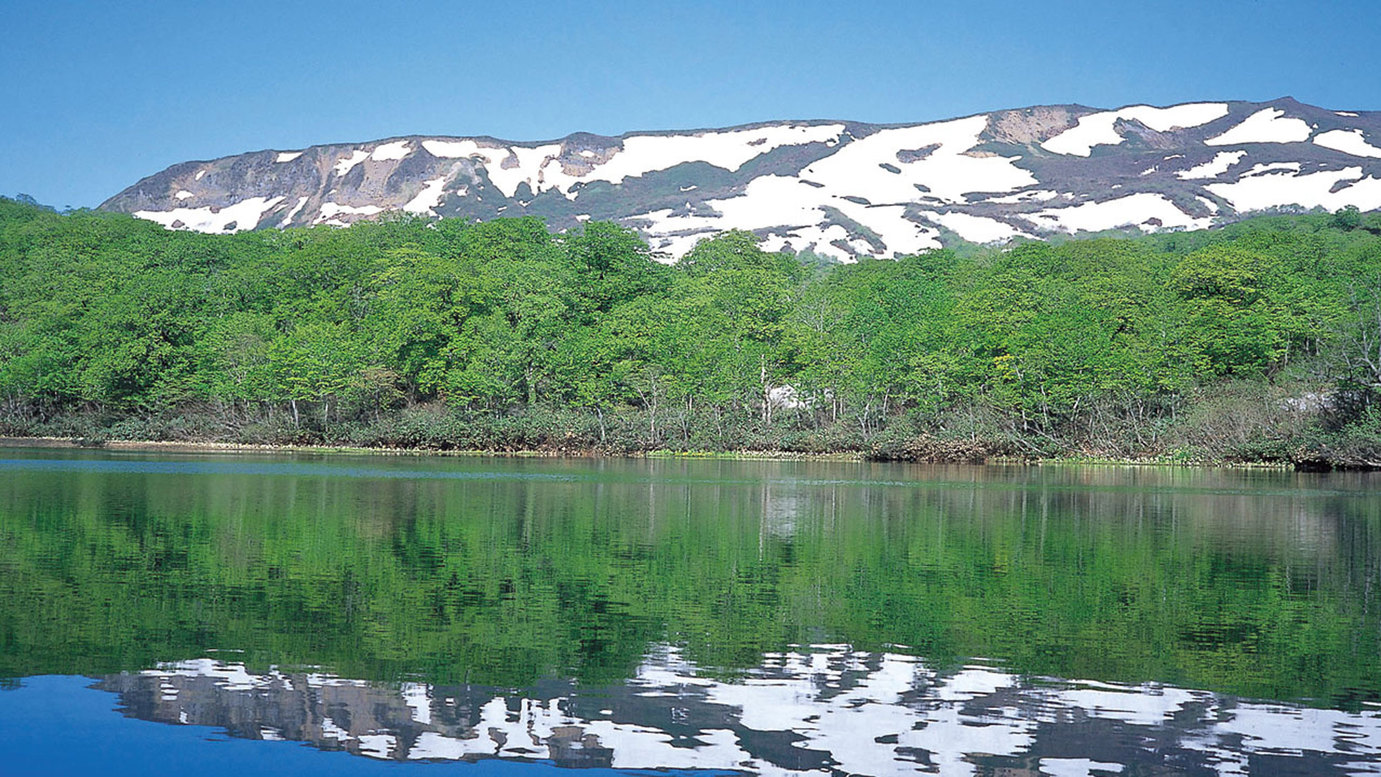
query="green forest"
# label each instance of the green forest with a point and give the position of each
(1260, 341)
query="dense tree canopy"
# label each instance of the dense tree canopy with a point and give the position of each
(508, 336)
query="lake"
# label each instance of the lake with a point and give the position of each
(246, 614)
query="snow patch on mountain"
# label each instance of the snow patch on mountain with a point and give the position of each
(233, 218)
(394, 151)
(832, 241)
(428, 198)
(947, 172)
(1273, 167)
(330, 210)
(1349, 142)
(1036, 195)
(1099, 129)
(346, 164)
(451, 149)
(1213, 168)
(978, 229)
(292, 214)
(1132, 210)
(729, 150)
(1265, 126)
(542, 168)
(1310, 190)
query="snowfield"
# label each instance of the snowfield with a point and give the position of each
(1349, 142)
(234, 218)
(1265, 126)
(542, 169)
(1212, 168)
(428, 198)
(1099, 129)
(1132, 210)
(1311, 190)
(391, 151)
(977, 229)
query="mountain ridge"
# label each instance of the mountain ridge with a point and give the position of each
(840, 188)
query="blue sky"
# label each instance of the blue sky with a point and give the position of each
(95, 95)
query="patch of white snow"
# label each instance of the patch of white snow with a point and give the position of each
(329, 210)
(1349, 142)
(1100, 129)
(1272, 167)
(1313, 190)
(728, 150)
(428, 198)
(1075, 767)
(977, 229)
(287, 220)
(1132, 210)
(1031, 196)
(346, 164)
(244, 214)
(1265, 126)
(388, 152)
(1213, 168)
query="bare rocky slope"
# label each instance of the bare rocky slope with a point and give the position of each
(838, 188)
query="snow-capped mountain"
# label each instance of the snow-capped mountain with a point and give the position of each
(842, 189)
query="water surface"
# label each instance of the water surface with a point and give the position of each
(764, 617)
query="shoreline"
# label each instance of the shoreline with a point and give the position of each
(179, 446)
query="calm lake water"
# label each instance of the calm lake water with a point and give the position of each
(297, 615)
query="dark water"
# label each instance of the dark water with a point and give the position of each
(164, 614)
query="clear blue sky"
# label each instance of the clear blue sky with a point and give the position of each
(95, 95)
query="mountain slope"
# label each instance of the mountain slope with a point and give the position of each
(841, 189)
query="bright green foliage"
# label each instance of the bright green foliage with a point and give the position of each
(1048, 347)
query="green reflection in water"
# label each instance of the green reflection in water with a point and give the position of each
(501, 572)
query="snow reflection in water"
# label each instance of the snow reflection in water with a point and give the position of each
(822, 709)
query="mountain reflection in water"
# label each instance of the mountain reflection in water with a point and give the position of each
(651, 614)
(821, 709)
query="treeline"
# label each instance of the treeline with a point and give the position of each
(1260, 341)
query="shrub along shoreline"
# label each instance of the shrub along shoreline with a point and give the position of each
(958, 456)
(1259, 342)
(405, 433)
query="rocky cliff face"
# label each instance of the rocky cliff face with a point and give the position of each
(841, 189)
